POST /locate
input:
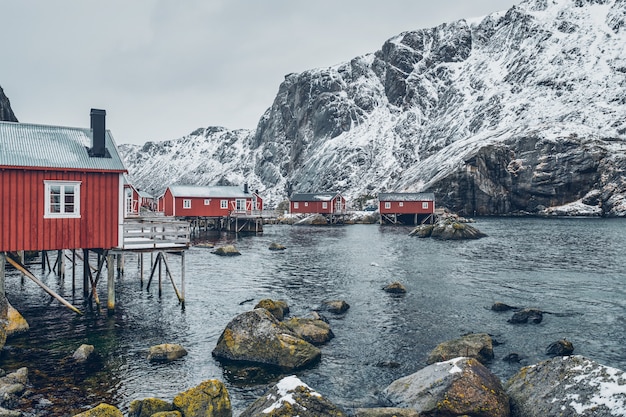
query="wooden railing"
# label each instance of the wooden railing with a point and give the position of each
(155, 233)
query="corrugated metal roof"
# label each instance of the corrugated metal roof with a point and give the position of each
(313, 196)
(406, 197)
(205, 191)
(30, 145)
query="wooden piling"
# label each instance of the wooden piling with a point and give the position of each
(86, 273)
(110, 284)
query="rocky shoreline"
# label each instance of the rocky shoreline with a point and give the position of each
(455, 382)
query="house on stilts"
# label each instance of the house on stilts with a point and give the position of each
(227, 208)
(331, 205)
(62, 190)
(406, 208)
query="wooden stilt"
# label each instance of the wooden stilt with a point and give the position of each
(61, 261)
(2, 268)
(19, 266)
(141, 269)
(169, 274)
(110, 285)
(154, 267)
(160, 275)
(86, 273)
(73, 270)
(43, 260)
(182, 276)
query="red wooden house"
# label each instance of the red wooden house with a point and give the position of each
(209, 201)
(60, 187)
(406, 208)
(131, 200)
(317, 203)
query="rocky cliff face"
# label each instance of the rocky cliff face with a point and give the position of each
(519, 111)
(6, 113)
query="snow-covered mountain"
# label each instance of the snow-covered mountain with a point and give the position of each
(518, 111)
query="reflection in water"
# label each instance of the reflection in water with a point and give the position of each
(451, 285)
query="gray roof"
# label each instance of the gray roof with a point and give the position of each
(327, 196)
(406, 197)
(205, 191)
(30, 145)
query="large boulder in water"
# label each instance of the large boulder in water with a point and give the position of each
(16, 322)
(166, 352)
(314, 331)
(226, 250)
(209, 399)
(101, 410)
(257, 336)
(148, 406)
(567, 386)
(278, 308)
(475, 345)
(461, 386)
(447, 230)
(292, 397)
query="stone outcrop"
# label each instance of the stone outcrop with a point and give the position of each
(567, 386)
(166, 352)
(291, 397)
(447, 230)
(6, 112)
(257, 336)
(386, 412)
(335, 306)
(395, 288)
(527, 315)
(84, 353)
(13, 387)
(475, 345)
(276, 246)
(16, 322)
(461, 386)
(561, 347)
(209, 399)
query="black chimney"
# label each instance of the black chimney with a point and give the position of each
(98, 132)
(245, 188)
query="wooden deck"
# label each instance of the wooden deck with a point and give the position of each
(160, 233)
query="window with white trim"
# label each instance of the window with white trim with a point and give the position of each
(306, 204)
(62, 199)
(207, 201)
(325, 205)
(401, 204)
(224, 204)
(296, 205)
(387, 204)
(186, 204)
(425, 204)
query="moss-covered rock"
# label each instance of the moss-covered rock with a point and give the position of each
(386, 412)
(209, 399)
(166, 352)
(174, 413)
(395, 288)
(84, 353)
(447, 229)
(314, 331)
(17, 323)
(278, 308)
(335, 306)
(101, 410)
(276, 246)
(257, 336)
(475, 345)
(148, 407)
(461, 386)
(227, 250)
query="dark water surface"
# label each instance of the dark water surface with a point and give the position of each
(571, 267)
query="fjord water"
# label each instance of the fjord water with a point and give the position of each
(573, 268)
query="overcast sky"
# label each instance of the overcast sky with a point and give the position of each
(162, 68)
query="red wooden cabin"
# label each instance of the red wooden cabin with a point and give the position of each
(60, 187)
(209, 201)
(131, 200)
(317, 203)
(406, 208)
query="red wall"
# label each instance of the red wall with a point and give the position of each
(408, 207)
(316, 206)
(174, 206)
(22, 223)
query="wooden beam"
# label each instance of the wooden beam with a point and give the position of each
(110, 284)
(20, 267)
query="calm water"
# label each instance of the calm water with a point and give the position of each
(572, 267)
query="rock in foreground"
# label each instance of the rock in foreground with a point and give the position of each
(447, 230)
(257, 336)
(166, 352)
(476, 345)
(209, 399)
(291, 397)
(568, 386)
(461, 386)
(227, 250)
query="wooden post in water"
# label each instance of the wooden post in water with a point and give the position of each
(141, 269)
(110, 284)
(60, 264)
(73, 270)
(43, 260)
(160, 283)
(182, 277)
(120, 264)
(85, 273)
(2, 267)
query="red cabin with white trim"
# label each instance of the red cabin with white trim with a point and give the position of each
(60, 187)
(209, 201)
(317, 203)
(406, 208)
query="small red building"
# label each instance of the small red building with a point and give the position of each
(317, 203)
(60, 187)
(209, 201)
(406, 208)
(131, 200)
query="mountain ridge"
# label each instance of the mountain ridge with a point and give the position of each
(517, 112)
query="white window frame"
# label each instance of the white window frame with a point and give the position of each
(207, 201)
(187, 203)
(325, 204)
(62, 213)
(306, 204)
(296, 205)
(401, 204)
(224, 204)
(424, 204)
(387, 204)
